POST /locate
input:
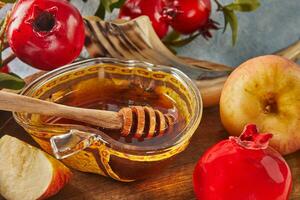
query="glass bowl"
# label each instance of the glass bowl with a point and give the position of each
(107, 156)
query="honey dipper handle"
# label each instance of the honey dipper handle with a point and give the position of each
(18, 103)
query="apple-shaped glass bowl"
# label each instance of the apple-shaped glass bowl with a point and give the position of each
(82, 83)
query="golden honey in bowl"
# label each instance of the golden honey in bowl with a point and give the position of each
(110, 84)
(105, 95)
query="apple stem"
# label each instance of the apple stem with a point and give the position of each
(252, 139)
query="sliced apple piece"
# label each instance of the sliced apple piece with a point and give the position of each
(264, 91)
(28, 173)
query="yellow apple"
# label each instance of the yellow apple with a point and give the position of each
(264, 91)
(28, 173)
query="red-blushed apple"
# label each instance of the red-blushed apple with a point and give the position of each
(28, 173)
(264, 91)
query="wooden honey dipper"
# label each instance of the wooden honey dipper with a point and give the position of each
(157, 122)
(136, 120)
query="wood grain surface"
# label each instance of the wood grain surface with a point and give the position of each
(173, 183)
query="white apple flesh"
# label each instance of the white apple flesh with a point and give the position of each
(264, 91)
(28, 173)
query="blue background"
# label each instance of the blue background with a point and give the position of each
(273, 26)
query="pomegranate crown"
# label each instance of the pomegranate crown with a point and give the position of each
(252, 139)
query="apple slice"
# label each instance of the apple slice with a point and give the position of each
(28, 173)
(264, 91)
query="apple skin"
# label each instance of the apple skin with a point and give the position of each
(60, 178)
(265, 91)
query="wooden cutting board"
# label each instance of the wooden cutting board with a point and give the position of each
(173, 183)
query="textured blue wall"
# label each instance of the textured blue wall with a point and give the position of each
(275, 25)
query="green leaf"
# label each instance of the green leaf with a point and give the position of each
(15, 75)
(243, 5)
(108, 6)
(117, 4)
(182, 42)
(225, 21)
(231, 18)
(8, 1)
(11, 81)
(173, 36)
(101, 11)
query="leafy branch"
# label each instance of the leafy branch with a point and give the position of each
(230, 16)
(229, 11)
(175, 39)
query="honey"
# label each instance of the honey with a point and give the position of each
(112, 86)
(108, 96)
